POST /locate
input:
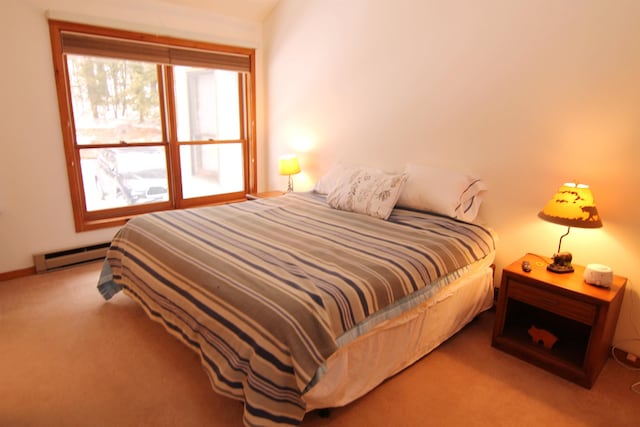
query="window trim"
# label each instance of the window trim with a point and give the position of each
(179, 52)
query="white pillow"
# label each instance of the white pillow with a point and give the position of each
(367, 191)
(442, 191)
(330, 179)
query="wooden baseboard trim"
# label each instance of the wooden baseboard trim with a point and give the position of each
(29, 271)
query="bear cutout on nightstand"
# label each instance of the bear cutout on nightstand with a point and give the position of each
(542, 335)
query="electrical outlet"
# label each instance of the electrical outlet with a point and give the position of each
(633, 360)
(627, 358)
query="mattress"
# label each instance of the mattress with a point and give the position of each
(267, 291)
(397, 343)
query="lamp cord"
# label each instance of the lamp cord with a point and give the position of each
(635, 387)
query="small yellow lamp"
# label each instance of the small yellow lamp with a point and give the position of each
(573, 206)
(289, 165)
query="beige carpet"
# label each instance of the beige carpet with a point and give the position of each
(68, 358)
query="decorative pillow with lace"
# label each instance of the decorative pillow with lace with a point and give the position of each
(367, 191)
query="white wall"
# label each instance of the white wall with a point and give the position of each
(526, 94)
(35, 205)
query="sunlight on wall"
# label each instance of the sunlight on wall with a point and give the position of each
(303, 144)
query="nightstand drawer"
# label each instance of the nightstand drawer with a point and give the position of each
(558, 304)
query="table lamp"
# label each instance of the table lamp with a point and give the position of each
(573, 206)
(289, 165)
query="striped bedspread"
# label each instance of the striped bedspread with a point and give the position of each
(263, 290)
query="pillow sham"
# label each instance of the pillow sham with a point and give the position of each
(442, 191)
(367, 191)
(329, 180)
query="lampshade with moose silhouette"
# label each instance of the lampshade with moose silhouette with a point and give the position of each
(573, 206)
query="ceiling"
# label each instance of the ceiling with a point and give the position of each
(246, 10)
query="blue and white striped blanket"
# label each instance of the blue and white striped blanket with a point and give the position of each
(265, 291)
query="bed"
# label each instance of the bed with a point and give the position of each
(286, 299)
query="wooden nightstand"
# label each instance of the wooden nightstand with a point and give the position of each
(583, 317)
(264, 195)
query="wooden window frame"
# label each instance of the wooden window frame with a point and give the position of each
(76, 38)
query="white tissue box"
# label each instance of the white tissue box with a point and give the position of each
(598, 275)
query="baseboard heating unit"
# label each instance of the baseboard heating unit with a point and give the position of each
(53, 260)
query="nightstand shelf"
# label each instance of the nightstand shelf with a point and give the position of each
(582, 317)
(264, 195)
(573, 337)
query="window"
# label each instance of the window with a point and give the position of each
(151, 122)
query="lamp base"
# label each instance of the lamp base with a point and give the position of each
(559, 268)
(561, 263)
